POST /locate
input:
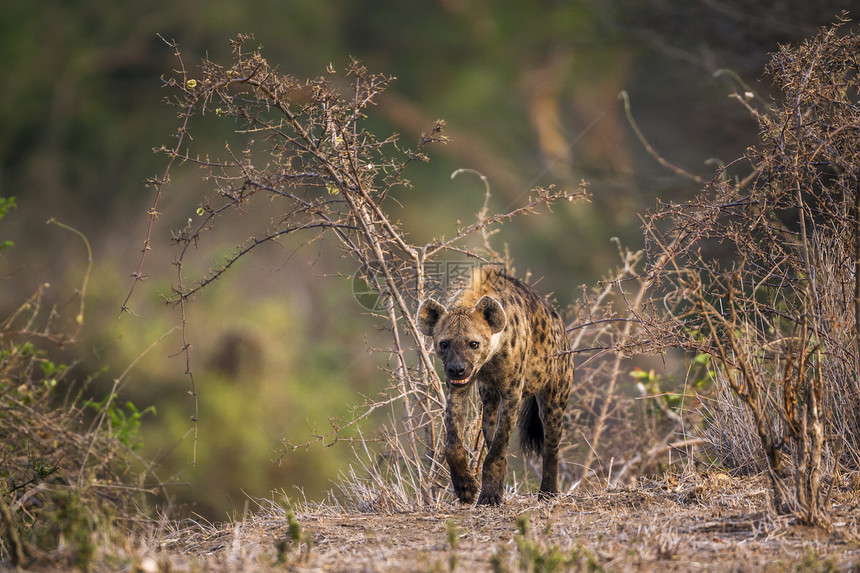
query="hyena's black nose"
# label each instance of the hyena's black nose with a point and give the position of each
(456, 371)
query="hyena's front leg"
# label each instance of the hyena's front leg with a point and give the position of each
(464, 482)
(489, 408)
(496, 462)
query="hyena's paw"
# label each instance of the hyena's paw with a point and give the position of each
(490, 498)
(547, 495)
(465, 487)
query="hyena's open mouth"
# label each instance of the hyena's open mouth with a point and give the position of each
(461, 383)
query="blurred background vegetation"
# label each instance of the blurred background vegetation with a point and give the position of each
(529, 91)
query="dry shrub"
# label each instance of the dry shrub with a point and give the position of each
(761, 275)
(623, 421)
(71, 484)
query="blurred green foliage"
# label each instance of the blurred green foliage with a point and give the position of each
(6, 203)
(528, 90)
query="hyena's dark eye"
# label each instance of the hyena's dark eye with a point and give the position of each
(443, 345)
(474, 344)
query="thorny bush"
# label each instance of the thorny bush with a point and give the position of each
(761, 275)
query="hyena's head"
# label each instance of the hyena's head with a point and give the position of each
(463, 338)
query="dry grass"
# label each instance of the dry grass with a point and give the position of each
(680, 523)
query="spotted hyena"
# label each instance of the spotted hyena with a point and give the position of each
(501, 334)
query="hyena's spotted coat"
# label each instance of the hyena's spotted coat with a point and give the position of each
(501, 334)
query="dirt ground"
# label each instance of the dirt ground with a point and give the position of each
(708, 522)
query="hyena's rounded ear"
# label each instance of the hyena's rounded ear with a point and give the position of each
(493, 313)
(429, 314)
